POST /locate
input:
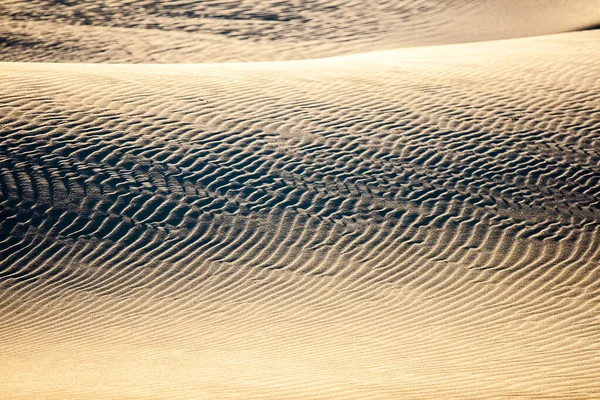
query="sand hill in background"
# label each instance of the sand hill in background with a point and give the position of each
(150, 31)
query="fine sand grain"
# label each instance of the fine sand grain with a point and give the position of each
(415, 223)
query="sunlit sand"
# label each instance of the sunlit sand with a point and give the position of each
(403, 208)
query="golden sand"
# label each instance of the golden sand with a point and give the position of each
(411, 223)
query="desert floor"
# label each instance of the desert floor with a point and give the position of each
(303, 200)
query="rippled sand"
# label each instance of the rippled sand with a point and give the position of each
(186, 31)
(413, 223)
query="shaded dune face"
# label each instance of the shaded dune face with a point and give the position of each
(420, 223)
(249, 30)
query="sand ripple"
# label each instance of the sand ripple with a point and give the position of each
(175, 31)
(411, 224)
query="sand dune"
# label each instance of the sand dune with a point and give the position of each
(408, 222)
(249, 30)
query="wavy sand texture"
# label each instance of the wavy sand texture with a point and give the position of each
(250, 30)
(411, 224)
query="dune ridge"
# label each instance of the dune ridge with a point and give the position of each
(406, 224)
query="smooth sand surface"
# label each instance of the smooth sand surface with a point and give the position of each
(415, 223)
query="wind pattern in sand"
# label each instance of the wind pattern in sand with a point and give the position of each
(411, 223)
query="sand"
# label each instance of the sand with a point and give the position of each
(184, 31)
(412, 223)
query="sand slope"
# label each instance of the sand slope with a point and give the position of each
(411, 224)
(174, 31)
